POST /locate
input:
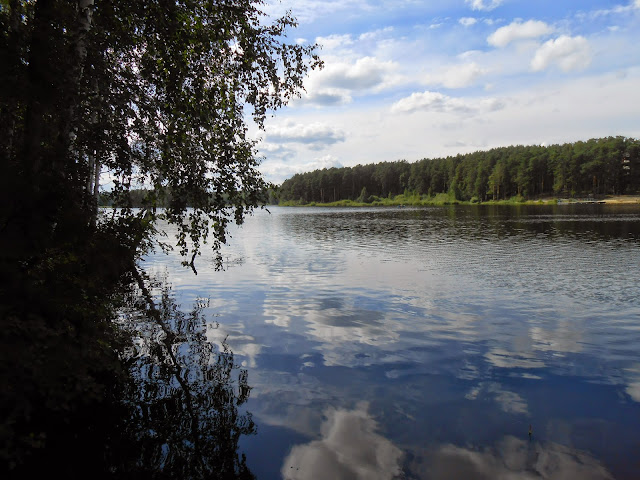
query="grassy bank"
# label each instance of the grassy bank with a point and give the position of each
(449, 199)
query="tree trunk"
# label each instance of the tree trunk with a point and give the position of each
(82, 27)
(96, 192)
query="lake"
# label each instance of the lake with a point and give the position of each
(444, 342)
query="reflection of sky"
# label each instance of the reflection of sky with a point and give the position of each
(480, 319)
(349, 448)
(509, 402)
(512, 458)
(633, 388)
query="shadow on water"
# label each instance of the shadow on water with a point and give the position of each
(172, 407)
(183, 396)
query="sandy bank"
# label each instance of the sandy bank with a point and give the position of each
(619, 199)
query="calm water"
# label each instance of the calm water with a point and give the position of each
(423, 343)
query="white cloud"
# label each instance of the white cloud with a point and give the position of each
(316, 135)
(278, 171)
(349, 447)
(364, 73)
(333, 42)
(483, 4)
(568, 53)
(375, 34)
(457, 76)
(518, 31)
(432, 101)
(327, 97)
(266, 147)
(306, 11)
(615, 10)
(536, 107)
(467, 21)
(438, 102)
(326, 161)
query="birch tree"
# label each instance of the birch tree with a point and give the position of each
(155, 93)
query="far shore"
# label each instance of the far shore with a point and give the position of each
(442, 199)
(620, 199)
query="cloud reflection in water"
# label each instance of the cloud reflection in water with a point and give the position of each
(508, 401)
(349, 448)
(633, 388)
(512, 459)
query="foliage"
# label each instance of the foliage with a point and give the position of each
(599, 166)
(152, 93)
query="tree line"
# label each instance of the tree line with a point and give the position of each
(598, 166)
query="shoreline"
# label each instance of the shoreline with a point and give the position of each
(622, 199)
(413, 202)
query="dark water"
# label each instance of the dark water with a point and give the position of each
(424, 343)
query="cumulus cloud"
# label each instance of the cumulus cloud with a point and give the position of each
(333, 85)
(433, 101)
(483, 4)
(333, 42)
(438, 102)
(350, 448)
(366, 72)
(278, 171)
(467, 21)
(309, 10)
(518, 31)
(325, 97)
(326, 161)
(456, 76)
(568, 53)
(615, 10)
(315, 135)
(375, 34)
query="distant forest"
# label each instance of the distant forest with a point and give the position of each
(601, 166)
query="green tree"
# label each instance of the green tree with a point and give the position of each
(364, 196)
(497, 180)
(154, 93)
(500, 172)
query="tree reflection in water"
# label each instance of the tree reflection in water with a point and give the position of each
(183, 394)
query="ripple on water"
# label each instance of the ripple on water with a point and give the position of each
(474, 320)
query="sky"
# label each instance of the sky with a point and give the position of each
(409, 79)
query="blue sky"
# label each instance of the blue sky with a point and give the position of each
(408, 79)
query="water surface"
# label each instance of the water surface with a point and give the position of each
(425, 343)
